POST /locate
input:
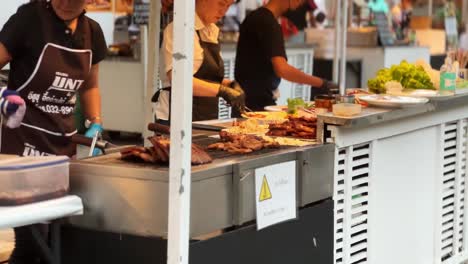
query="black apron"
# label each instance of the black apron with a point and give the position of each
(50, 95)
(211, 70)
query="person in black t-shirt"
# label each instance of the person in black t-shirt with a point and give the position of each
(261, 59)
(54, 51)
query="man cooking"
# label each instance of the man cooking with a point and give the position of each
(261, 60)
(54, 51)
(208, 67)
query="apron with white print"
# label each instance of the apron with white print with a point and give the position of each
(50, 95)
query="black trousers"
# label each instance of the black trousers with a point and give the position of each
(26, 249)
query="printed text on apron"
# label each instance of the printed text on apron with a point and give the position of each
(50, 95)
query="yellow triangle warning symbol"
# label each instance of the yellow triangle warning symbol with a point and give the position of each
(265, 192)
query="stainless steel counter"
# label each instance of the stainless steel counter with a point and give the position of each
(372, 115)
(132, 198)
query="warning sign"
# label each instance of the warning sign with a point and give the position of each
(265, 193)
(275, 194)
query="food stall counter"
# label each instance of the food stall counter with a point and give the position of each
(399, 180)
(132, 198)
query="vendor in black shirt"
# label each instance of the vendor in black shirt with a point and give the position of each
(53, 50)
(261, 60)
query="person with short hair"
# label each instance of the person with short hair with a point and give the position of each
(261, 60)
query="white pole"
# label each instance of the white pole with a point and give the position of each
(151, 57)
(465, 12)
(181, 133)
(344, 32)
(336, 55)
(430, 8)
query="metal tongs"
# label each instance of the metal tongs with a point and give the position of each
(93, 143)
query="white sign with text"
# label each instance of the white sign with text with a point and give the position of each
(275, 194)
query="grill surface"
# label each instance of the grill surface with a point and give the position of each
(203, 141)
(219, 154)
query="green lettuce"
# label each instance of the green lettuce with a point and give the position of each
(409, 75)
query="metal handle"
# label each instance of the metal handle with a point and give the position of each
(85, 141)
(159, 128)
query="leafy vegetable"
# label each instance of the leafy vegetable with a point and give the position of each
(294, 103)
(410, 76)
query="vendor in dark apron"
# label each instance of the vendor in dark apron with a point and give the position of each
(59, 69)
(211, 70)
(53, 50)
(49, 123)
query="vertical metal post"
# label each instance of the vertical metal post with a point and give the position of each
(344, 36)
(465, 12)
(336, 55)
(150, 55)
(181, 133)
(430, 7)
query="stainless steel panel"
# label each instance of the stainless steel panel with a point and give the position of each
(135, 201)
(316, 173)
(132, 198)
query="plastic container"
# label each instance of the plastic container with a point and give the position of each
(349, 99)
(32, 179)
(347, 109)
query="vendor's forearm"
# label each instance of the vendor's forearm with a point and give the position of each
(90, 97)
(292, 74)
(5, 56)
(91, 104)
(204, 88)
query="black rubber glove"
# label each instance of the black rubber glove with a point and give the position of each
(329, 87)
(234, 95)
(320, 17)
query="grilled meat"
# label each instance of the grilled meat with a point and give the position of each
(300, 127)
(199, 156)
(252, 143)
(241, 144)
(159, 152)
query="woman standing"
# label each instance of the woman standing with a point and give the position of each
(208, 66)
(53, 50)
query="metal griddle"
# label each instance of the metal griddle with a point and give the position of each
(132, 198)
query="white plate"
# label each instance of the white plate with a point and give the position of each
(393, 100)
(431, 94)
(281, 108)
(276, 108)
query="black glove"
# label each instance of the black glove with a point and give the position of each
(234, 95)
(329, 87)
(320, 17)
